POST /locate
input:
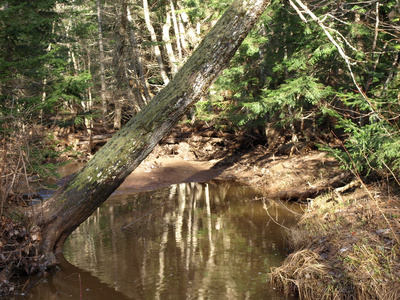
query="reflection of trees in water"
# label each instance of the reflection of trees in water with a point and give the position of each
(189, 239)
(70, 282)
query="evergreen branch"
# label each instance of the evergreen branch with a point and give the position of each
(340, 50)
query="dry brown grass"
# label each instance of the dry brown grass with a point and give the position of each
(345, 247)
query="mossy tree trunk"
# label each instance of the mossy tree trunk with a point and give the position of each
(91, 186)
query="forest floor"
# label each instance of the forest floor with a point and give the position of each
(346, 245)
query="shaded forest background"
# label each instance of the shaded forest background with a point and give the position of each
(73, 70)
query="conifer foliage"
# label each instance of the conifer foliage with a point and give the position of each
(288, 73)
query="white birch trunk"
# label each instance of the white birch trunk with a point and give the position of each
(153, 36)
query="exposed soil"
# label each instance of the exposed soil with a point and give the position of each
(294, 171)
(165, 171)
(278, 176)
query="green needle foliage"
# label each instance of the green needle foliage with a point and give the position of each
(289, 74)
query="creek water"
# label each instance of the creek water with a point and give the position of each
(214, 240)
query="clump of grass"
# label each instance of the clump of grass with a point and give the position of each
(344, 248)
(307, 274)
(376, 270)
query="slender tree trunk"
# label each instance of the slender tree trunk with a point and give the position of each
(125, 70)
(176, 30)
(89, 104)
(101, 62)
(182, 32)
(93, 184)
(117, 114)
(153, 36)
(137, 58)
(168, 45)
(71, 53)
(190, 31)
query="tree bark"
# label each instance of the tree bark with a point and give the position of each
(128, 71)
(182, 32)
(101, 62)
(176, 30)
(117, 114)
(92, 185)
(88, 104)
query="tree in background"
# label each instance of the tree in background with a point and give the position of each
(30, 66)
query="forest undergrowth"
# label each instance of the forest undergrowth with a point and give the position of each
(26, 162)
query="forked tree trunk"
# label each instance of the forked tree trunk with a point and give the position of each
(91, 186)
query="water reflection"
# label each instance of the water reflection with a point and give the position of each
(68, 282)
(188, 241)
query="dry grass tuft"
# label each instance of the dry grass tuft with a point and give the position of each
(305, 273)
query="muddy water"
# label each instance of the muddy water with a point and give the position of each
(188, 241)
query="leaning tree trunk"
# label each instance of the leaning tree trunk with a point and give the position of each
(91, 186)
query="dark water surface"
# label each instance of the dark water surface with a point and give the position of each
(188, 241)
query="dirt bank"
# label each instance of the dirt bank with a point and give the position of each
(284, 177)
(164, 171)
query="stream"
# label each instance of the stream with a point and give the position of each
(215, 240)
